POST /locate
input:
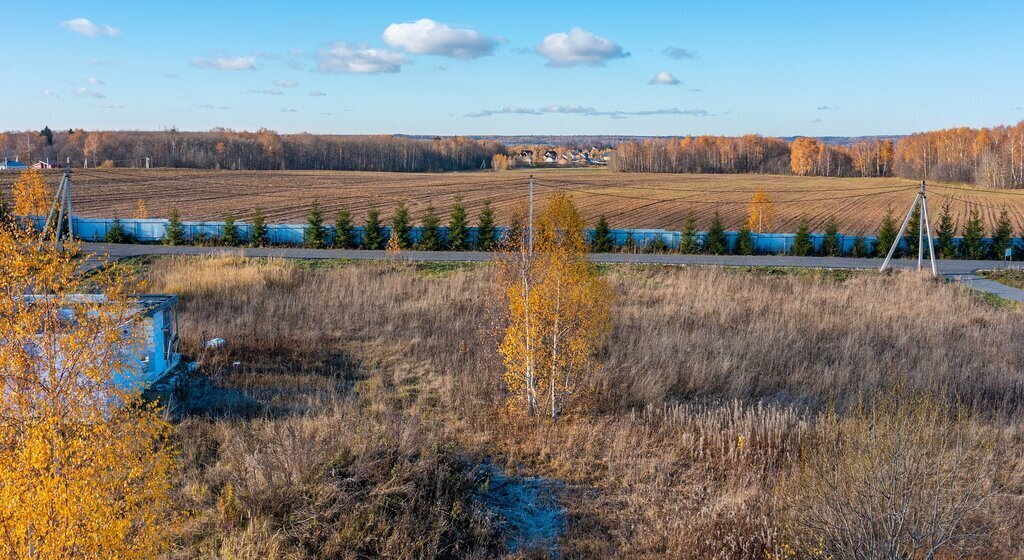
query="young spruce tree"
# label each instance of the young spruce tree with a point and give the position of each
(717, 243)
(1002, 235)
(913, 232)
(802, 244)
(116, 232)
(175, 233)
(745, 241)
(344, 230)
(887, 234)
(860, 248)
(946, 233)
(458, 227)
(688, 243)
(602, 238)
(973, 245)
(485, 228)
(230, 231)
(260, 233)
(430, 236)
(373, 232)
(315, 233)
(401, 225)
(831, 245)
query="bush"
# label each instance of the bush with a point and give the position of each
(175, 233)
(344, 231)
(373, 233)
(602, 240)
(430, 236)
(230, 232)
(887, 234)
(458, 227)
(657, 245)
(116, 233)
(260, 234)
(832, 244)
(485, 228)
(716, 243)
(745, 241)
(860, 248)
(688, 243)
(802, 244)
(629, 245)
(315, 233)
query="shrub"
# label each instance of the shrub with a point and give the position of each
(373, 233)
(344, 232)
(516, 230)
(688, 241)
(175, 233)
(657, 245)
(430, 236)
(629, 245)
(260, 234)
(485, 228)
(716, 243)
(973, 245)
(602, 240)
(860, 248)
(116, 233)
(802, 244)
(458, 227)
(946, 232)
(745, 241)
(315, 233)
(230, 237)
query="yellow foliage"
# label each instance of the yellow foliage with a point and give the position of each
(500, 162)
(762, 212)
(558, 310)
(84, 465)
(141, 213)
(31, 197)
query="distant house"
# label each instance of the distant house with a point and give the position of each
(12, 165)
(158, 353)
(43, 165)
(526, 156)
(550, 156)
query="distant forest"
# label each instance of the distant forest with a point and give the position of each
(263, 150)
(992, 157)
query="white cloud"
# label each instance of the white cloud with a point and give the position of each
(317, 93)
(285, 83)
(664, 78)
(86, 92)
(93, 81)
(86, 27)
(342, 58)
(578, 47)
(213, 107)
(225, 63)
(827, 108)
(48, 93)
(678, 53)
(506, 111)
(426, 36)
(289, 110)
(265, 91)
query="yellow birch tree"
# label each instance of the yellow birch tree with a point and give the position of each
(558, 311)
(84, 462)
(31, 197)
(762, 211)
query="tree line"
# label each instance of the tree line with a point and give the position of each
(260, 150)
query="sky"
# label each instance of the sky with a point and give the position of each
(844, 68)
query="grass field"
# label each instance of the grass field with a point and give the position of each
(368, 417)
(630, 200)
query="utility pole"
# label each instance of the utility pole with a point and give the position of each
(924, 231)
(147, 163)
(531, 215)
(60, 209)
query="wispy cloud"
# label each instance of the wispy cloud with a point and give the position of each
(86, 27)
(171, 75)
(426, 36)
(286, 83)
(317, 93)
(578, 47)
(86, 92)
(289, 110)
(679, 53)
(588, 112)
(213, 107)
(664, 78)
(342, 58)
(111, 106)
(94, 81)
(225, 63)
(827, 108)
(265, 91)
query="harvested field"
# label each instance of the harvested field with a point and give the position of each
(630, 200)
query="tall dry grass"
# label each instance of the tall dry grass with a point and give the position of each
(708, 396)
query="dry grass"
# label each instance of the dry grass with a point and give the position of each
(369, 396)
(635, 200)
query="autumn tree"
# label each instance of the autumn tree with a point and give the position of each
(803, 156)
(85, 464)
(31, 195)
(762, 212)
(141, 213)
(557, 314)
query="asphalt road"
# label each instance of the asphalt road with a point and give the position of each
(948, 268)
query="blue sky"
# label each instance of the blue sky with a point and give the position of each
(774, 68)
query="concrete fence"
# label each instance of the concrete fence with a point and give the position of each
(154, 230)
